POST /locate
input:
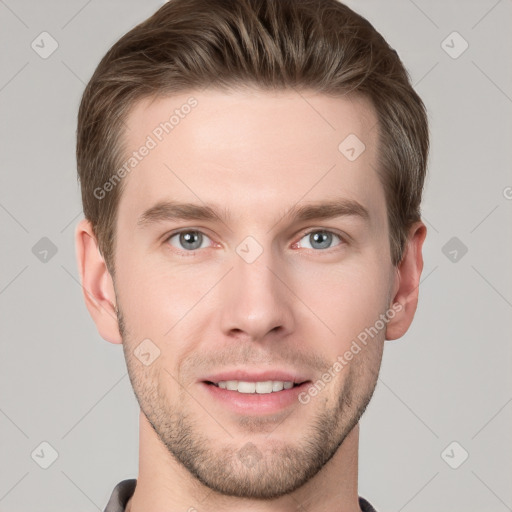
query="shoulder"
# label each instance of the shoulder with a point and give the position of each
(365, 505)
(120, 496)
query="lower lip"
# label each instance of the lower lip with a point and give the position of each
(256, 403)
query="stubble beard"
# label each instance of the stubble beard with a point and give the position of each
(260, 470)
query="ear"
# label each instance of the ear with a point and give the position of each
(407, 281)
(97, 284)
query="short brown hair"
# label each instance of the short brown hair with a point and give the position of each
(319, 45)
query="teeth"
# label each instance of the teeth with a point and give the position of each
(277, 386)
(267, 386)
(261, 387)
(247, 387)
(232, 385)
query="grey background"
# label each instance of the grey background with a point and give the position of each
(448, 379)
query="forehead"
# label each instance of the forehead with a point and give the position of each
(250, 150)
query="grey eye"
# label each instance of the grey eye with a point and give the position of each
(188, 240)
(319, 239)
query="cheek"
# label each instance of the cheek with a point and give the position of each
(160, 298)
(156, 296)
(347, 297)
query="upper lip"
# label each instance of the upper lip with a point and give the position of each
(257, 376)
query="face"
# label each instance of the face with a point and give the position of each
(278, 262)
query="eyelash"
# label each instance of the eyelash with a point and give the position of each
(342, 238)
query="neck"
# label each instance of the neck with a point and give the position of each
(164, 484)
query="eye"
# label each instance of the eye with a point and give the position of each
(320, 239)
(189, 240)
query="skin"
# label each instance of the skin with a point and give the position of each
(296, 306)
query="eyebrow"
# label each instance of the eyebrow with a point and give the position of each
(174, 210)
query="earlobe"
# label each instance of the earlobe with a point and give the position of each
(407, 281)
(97, 283)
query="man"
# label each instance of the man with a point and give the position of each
(282, 142)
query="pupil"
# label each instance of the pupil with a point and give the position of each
(322, 238)
(191, 239)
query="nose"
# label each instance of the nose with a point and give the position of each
(256, 299)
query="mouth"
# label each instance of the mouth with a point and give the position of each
(258, 387)
(255, 398)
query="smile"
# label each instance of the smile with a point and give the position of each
(261, 387)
